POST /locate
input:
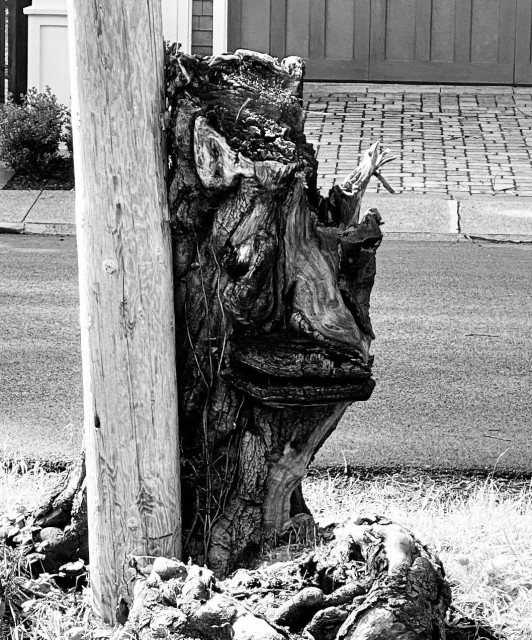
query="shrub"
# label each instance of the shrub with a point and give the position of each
(30, 132)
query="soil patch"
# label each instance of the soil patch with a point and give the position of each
(60, 177)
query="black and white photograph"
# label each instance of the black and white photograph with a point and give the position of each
(266, 320)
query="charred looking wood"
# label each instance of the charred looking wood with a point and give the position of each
(272, 285)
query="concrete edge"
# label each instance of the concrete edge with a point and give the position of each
(495, 238)
(426, 236)
(38, 228)
(499, 238)
(50, 229)
(11, 227)
(411, 213)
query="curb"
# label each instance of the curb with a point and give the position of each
(495, 217)
(434, 217)
(38, 228)
(11, 227)
(50, 228)
(458, 237)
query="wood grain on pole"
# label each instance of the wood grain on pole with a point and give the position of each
(126, 289)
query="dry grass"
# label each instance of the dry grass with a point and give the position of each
(36, 610)
(481, 529)
(22, 483)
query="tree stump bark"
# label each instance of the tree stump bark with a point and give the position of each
(272, 283)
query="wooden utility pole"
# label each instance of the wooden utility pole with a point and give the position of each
(126, 289)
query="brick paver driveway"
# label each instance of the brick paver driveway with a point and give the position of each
(463, 140)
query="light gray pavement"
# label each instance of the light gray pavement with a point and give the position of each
(452, 356)
(39, 212)
(464, 158)
(452, 140)
(52, 212)
(453, 317)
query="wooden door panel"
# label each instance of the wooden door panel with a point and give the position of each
(339, 29)
(443, 32)
(332, 35)
(255, 25)
(484, 42)
(523, 43)
(297, 28)
(443, 41)
(338, 40)
(399, 30)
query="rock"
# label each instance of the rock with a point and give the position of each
(53, 535)
(76, 633)
(299, 610)
(167, 569)
(72, 568)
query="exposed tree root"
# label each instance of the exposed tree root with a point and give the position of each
(56, 533)
(374, 581)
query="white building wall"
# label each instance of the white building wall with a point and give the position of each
(48, 41)
(48, 47)
(219, 31)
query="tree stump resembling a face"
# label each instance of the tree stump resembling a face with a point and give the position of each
(272, 287)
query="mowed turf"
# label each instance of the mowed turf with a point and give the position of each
(452, 357)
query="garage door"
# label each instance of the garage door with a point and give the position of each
(332, 35)
(453, 41)
(523, 44)
(443, 40)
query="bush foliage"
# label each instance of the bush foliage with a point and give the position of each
(31, 132)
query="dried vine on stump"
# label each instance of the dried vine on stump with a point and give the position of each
(272, 293)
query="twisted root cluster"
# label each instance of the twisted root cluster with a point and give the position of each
(56, 532)
(373, 581)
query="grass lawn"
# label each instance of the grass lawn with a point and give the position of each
(480, 528)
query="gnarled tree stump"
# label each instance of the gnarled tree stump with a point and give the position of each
(272, 289)
(272, 296)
